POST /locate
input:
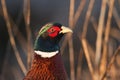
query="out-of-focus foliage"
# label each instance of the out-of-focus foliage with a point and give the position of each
(85, 17)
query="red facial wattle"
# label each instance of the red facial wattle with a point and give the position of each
(53, 31)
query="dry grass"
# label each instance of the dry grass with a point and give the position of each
(12, 40)
(98, 59)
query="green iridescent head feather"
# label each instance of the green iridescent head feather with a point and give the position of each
(44, 29)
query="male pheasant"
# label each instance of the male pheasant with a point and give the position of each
(47, 63)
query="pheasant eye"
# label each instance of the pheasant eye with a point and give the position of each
(52, 30)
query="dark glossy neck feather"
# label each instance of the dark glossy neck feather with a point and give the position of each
(46, 44)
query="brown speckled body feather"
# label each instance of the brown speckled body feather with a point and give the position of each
(47, 69)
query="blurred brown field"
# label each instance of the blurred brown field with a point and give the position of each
(92, 52)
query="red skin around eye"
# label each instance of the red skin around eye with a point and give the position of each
(53, 31)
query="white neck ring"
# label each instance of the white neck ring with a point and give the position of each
(46, 54)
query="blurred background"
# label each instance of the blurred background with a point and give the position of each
(92, 52)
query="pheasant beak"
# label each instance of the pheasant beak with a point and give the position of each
(65, 30)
